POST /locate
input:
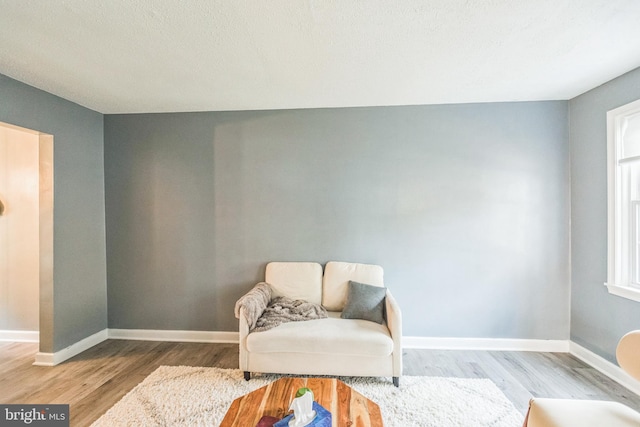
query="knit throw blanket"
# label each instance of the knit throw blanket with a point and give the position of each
(263, 312)
(282, 309)
(253, 303)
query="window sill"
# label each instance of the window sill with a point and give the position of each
(624, 291)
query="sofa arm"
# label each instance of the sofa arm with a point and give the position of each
(394, 323)
(243, 331)
(248, 310)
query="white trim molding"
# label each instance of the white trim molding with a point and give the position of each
(19, 336)
(494, 344)
(627, 292)
(609, 369)
(52, 359)
(174, 336)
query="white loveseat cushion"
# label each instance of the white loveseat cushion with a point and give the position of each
(325, 336)
(335, 282)
(296, 280)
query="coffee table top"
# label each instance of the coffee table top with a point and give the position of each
(347, 406)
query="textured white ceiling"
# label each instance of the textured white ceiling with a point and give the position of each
(126, 56)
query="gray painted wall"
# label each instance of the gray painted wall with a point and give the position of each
(80, 289)
(598, 319)
(465, 206)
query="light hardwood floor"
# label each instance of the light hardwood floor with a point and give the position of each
(95, 380)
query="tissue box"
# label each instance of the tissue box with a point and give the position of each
(322, 419)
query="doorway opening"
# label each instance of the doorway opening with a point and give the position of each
(26, 233)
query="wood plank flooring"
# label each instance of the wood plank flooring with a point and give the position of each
(95, 380)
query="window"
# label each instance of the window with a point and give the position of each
(623, 145)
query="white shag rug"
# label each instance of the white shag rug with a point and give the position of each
(194, 396)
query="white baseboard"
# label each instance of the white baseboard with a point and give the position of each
(495, 344)
(407, 342)
(174, 336)
(609, 369)
(19, 336)
(52, 359)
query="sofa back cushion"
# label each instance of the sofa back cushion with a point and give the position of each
(297, 280)
(335, 282)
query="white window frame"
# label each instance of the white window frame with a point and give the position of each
(622, 256)
(633, 242)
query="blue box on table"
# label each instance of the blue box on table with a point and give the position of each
(322, 419)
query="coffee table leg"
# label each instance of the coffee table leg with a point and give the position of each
(247, 375)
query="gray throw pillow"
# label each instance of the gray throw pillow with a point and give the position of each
(364, 302)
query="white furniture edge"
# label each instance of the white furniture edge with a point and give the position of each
(19, 336)
(601, 364)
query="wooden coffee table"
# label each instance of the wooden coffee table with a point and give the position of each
(347, 406)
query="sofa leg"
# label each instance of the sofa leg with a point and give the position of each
(247, 375)
(396, 381)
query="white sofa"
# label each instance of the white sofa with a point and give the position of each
(330, 346)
